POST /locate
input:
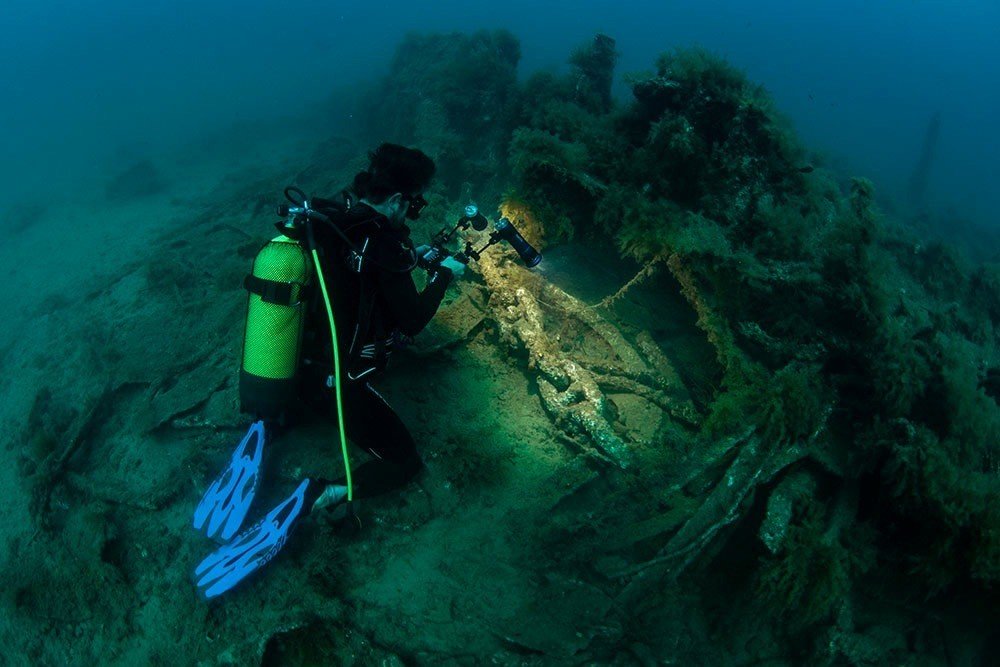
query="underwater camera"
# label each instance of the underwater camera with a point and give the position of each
(503, 230)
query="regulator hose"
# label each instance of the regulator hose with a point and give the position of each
(336, 363)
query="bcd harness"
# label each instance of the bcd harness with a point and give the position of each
(280, 288)
(371, 344)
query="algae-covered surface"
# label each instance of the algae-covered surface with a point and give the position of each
(738, 415)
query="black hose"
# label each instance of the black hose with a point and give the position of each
(291, 189)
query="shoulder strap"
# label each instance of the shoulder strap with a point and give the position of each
(341, 203)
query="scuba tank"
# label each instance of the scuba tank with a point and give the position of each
(278, 287)
(279, 284)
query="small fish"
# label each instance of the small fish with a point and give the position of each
(808, 169)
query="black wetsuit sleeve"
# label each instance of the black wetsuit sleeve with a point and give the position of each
(409, 309)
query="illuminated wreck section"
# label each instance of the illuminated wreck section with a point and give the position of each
(840, 420)
(586, 369)
(577, 354)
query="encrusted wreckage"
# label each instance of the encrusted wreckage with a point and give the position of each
(579, 356)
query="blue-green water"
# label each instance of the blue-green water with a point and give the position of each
(743, 412)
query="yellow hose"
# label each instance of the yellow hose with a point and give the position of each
(336, 376)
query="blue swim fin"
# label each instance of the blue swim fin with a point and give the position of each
(227, 501)
(254, 548)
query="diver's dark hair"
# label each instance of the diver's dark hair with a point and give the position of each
(393, 168)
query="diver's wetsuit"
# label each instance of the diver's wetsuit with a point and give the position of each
(394, 309)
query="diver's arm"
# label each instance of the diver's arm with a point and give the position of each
(411, 309)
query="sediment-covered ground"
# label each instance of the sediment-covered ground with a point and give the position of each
(736, 416)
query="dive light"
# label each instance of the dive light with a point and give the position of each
(506, 230)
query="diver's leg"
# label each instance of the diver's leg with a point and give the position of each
(373, 425)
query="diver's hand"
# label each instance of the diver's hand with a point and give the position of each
(456, 267)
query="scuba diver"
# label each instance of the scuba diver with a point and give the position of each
(333, 293)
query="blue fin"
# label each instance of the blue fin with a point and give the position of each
(227, 501)
(252, 549)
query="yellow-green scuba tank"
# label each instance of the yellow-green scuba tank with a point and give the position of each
(279, 287)
(272, 341)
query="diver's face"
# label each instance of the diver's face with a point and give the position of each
(396, 207)
(400, 208)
